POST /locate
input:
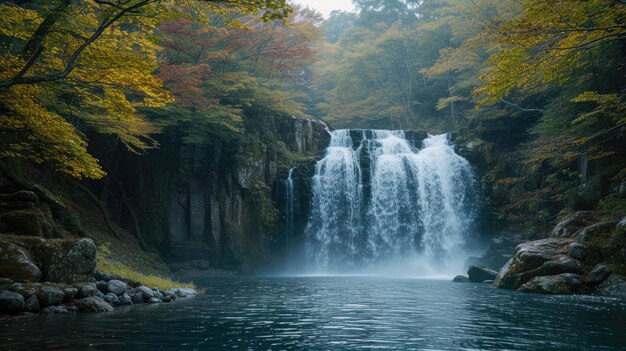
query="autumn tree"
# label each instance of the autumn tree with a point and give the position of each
(68, 67)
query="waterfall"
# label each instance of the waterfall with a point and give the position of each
(381, 199)
(289, 210)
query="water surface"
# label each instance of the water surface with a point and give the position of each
(337, 313)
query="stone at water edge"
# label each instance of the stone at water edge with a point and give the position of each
(153, 300)
(112, 299)
(55, 310)
(93, 304)
(32, 304)
(137, 298)
(166, 299)
(116, 287)
(70, 294)
(101, 276)
(461, 279)
(599, 274)
(561, 284)
(11, 302)
(479, 274)
(537, 258)
(125, 299)
(50, 296)
(145, 291)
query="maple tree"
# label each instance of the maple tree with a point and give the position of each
(68, 67)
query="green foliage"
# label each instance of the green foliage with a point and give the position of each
(261, 196)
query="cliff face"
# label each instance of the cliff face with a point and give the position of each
(222, 202)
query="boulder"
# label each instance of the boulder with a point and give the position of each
(572, 224)
(145, 291)
(26, 290)
(11, 302)
(125, 299)
(595, 231)
(93, 304)
(49, 296)
(16, 264)
(32, 304)
(70, 294)
(166, 299)
(537, 258)
(68, 261)
(561, 284)
(137, 298)
(479, 274)
(153, 300)
(87, 290)
(112, 299)
(577, 251)
(461, 279)
(116, 287)
(26, 221)
(54, 310)
(599, 274)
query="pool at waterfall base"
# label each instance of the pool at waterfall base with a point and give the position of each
(336, 313)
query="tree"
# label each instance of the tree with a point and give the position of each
(68, 67)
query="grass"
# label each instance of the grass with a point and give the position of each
(110, 266)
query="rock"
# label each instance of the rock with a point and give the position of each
(49, 296)
(145, 291)
(87, 290)
(26, 221)
(69, 261)
(54, 310)
(594, 231)
(166, 299)
(599, 274)
(125, 299)
(11, 302)
(93, 304)
(138, 298)
(116, 287)
(153, 300)
(112, 299)
(5, 282)
(537, 258)
(566, 283)
(461, 279)
(16, 264)
(26, 290)
(479, 274)
(101, 276)
(171, 294)
(577, 251)
(102, 286)
(32, 304)
(158, 295)
(70, 294)
(614, 285)
(572, 224)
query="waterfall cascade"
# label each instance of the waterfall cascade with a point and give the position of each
(289, 220)
(380, 199)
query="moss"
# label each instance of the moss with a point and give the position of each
(268, 213)
(28, 221)
(106, 264)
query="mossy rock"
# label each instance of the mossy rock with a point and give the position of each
(16, 264)
(27, 221)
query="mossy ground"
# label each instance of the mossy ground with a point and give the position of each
(116, 268)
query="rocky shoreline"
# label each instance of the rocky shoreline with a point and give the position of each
(576, 259)
(59, 276)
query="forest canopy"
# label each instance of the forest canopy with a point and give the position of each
(539, 83)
